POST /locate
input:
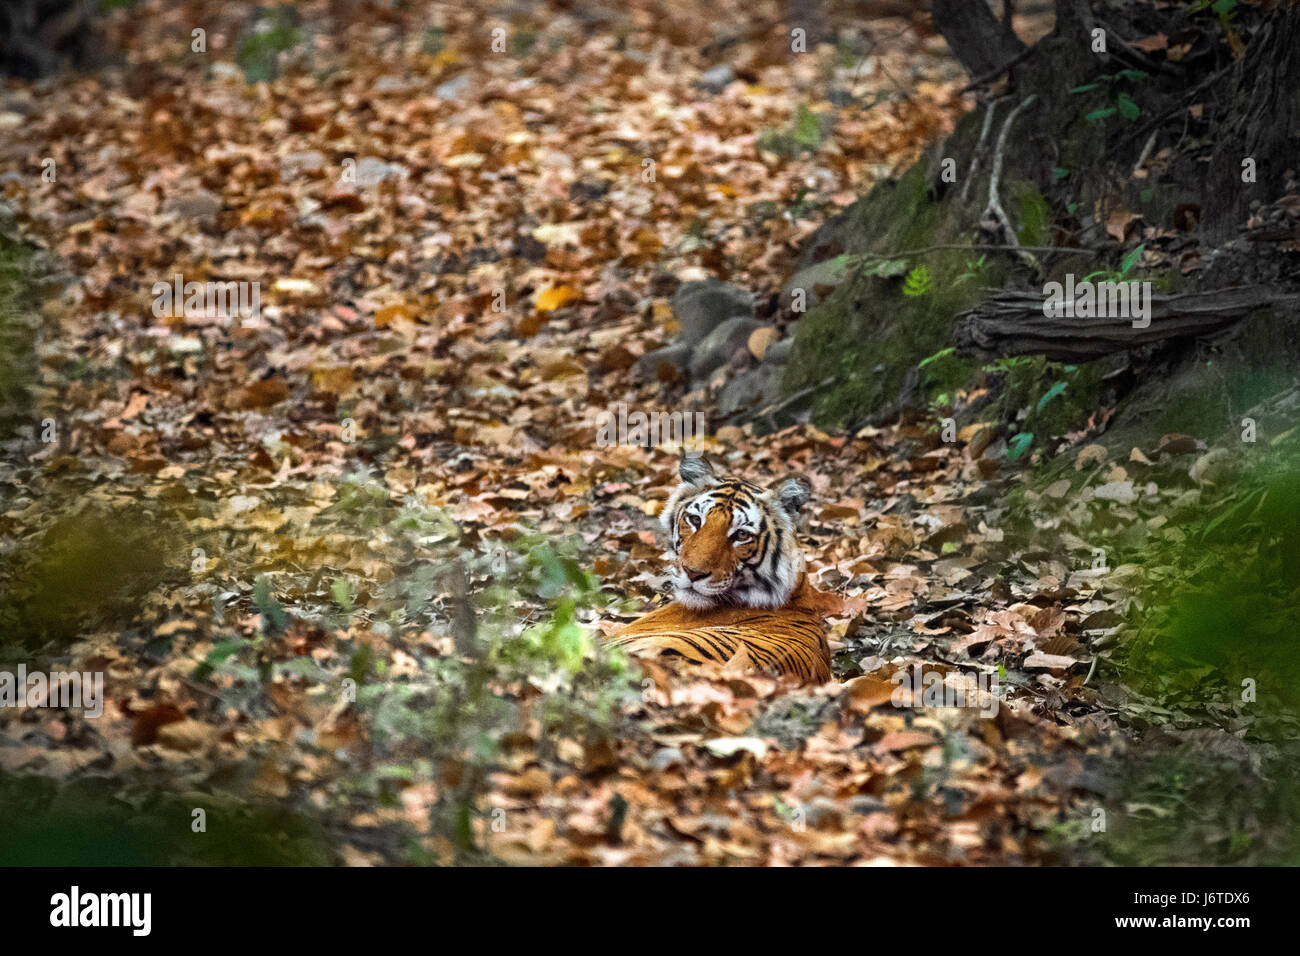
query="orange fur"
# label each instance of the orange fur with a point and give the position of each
(788, 640)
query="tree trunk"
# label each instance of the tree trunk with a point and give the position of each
(976, 37)
(40, 37)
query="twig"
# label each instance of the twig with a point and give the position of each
(1146, 151)
(979, 148)
(994, 205)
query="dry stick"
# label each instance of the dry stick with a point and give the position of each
(994, 205)
(979, 148)
(1146, 151)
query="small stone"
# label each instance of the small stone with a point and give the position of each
(778, 353)
(720, 345)
(666, 757)
(455, 88)
(295, 164)
(750, 390)
(197, 206)
(372, 172)
(716, 79)
(667, 364)
(701, 306)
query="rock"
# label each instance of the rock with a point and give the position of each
(867, 804)
(815, 281)
(667, 364)
(717, 79)
(455, 88)
(372, 172)
(197, 206)
(821, 812)
(1215, 467)
(700, 307)
(666, 757)
(750, 391)
(778, 353)
(293, 164)
(721, 344)
(392, 84)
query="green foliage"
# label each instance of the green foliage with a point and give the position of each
(272, 31)
(1212, 641)
(1189, 807)
(18, 324)
(91, 823)
(918, 282)
(1126, 265)
(941, 374)
(1123, 103)
(805, 133)
(456, 711)
(272, 611)
(1044, 399)
(94, 566)
(1222, 593)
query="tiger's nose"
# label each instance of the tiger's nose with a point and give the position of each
(695, 575)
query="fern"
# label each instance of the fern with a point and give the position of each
(917, 283)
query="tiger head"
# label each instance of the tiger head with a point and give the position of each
(731, 543)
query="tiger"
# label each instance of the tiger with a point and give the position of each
(731, 542)
(738, 578)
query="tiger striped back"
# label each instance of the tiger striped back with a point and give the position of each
(790, 640)
(738, 579)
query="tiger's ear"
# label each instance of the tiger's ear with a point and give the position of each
(793, 495)
(696, 470)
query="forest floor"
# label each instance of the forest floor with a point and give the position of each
(345, 566)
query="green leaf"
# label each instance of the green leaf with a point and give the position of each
(1131, 259)
(1100, 114)
(885, 268)
(807, 128)
(1018, 445)
(1050, 394)
(359, 666)
(937, 355)
(341, 591)
(273, 616)
(1085, 88)
(917, 283)
(218, 656)
(1127, 108)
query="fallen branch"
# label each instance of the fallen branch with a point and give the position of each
(1013, 323)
